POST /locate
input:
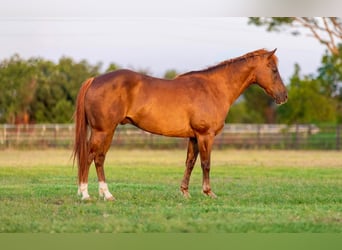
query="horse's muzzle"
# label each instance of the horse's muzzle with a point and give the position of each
(281, 98)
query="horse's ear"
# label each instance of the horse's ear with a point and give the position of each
(271, 53)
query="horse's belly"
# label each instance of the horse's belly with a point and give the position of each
(167, 130)
(168, 125)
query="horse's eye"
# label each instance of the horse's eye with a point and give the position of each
(274, 70)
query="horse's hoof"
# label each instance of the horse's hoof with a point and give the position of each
(110, 198)
(106, 198)
(186, 194)
(86, 199)
(210, 194)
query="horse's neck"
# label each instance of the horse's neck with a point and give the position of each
(235, 79)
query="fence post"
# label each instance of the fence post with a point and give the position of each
(5, 135)
(296, 137)
(221, 140)
(17, 126)
(338, 137)
(308, 134)
(258, 136)
(56, 134)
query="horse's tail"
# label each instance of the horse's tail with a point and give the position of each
(81, 126)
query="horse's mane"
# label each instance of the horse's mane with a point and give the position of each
(245, 57)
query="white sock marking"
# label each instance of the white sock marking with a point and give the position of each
(103, 190)
(83, 191)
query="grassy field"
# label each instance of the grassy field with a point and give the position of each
(258, 191)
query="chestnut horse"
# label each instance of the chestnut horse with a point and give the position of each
(194, 105)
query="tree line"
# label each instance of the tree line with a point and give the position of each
(36, 90)
(40, 91)
(314, 98)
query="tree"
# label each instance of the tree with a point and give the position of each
(316, 99)
(307, 103)
(239, 113)
(327, 30)
(330, 77)
(38, 90)
(58, 85)
(255, 106)
(170, 74)
(112, 67)
(260, 106)
(17, 88)
(330, 74)
(319, 98)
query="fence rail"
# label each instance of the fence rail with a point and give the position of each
(256, 136)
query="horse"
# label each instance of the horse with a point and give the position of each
(193, 105)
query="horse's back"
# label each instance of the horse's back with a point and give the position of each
(115, 77)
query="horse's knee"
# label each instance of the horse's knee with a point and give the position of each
(205, 165)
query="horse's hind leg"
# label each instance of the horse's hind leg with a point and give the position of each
(100, 142)
(83, 185)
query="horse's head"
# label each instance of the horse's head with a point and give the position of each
(268, 77)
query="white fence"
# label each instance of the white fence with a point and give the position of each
(233, 135)
(43, 135)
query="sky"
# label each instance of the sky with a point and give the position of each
(141, 36)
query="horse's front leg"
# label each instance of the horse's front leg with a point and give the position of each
(190, 162)
(205, 143)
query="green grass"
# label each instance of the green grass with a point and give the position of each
(258, 191)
